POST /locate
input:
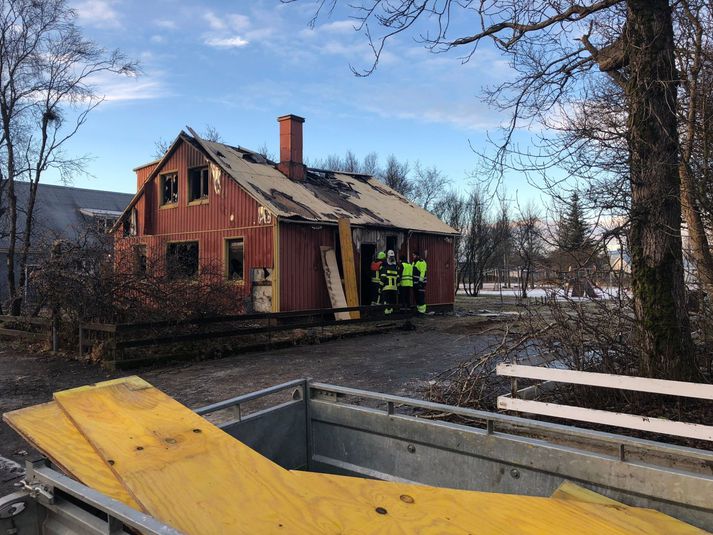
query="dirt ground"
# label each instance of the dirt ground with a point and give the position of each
(397, 362)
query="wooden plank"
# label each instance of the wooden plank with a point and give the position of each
(348, 267)
(606, 380)
(182, 469)
(409, 508)
(570, 491)
(49, 430)
(27, 319)
(617, 419)
(334, 283)
(23, 334)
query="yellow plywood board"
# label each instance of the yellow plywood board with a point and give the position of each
(570, 491)
(198, 479)
(49, 430)
(181, 468)
(350, 280)
(409, 508)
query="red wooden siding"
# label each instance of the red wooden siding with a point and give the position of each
(230, 214)
(302, 285)
(438, 252)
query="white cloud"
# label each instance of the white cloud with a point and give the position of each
(98, 13)
(116, 88)
(166, 24)
(338, 26)
(226, 42)
(158, 39)
(230, 21)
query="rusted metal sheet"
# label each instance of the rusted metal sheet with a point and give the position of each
(302, 285)
(438, 253)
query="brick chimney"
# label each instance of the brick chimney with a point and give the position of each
(291, 147)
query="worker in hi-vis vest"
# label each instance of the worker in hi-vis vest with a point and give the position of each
(405, 283)
(419, 282)
(389, 275)
(376, 277)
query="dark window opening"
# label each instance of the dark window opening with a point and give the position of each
(182, 259)
(235, 259)
(140, 259)
(391, 244)
(197, 184)
(169, 188)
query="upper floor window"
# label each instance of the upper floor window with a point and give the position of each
(197, 184)
(169, 188)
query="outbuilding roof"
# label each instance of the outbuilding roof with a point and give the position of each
(63, 211)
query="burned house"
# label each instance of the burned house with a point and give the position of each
(263, 224)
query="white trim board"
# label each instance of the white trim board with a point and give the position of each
(629, 421)
(606, 380)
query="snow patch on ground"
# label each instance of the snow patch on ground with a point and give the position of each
(558, 293)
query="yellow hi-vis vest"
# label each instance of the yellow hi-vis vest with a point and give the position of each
(421, 267)
(406, 274)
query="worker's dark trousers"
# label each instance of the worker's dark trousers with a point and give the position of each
(375, 290)
(420, 299)
(405, 299)
(389, 297)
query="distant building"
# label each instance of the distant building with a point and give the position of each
(263, 223)
(61, 213)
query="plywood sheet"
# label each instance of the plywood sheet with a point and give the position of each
(182, 469)
(334, 283)
(49, 430)
(189, 474)
(348, 267)
(407, 508)
(571, 491)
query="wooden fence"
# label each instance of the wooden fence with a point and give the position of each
(134, 344)
(31, 328)
(605, 380)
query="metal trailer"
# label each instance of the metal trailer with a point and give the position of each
(321, 427)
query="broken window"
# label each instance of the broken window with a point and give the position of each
(182, 259)
(235, 259)
(197, 184)
(140, 259)
(169, 188)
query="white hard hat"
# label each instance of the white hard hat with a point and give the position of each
(390, 253)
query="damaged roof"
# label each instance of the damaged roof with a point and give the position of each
(322, 197)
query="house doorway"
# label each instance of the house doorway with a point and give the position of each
(366, 254)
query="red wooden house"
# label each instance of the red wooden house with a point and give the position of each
(207, 203)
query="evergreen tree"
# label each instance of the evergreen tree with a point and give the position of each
(573, 230)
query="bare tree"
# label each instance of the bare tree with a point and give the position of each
(632, 42)
(528, 244)
(46, 92)
(370, 164)
(428, 185)
(395, 175)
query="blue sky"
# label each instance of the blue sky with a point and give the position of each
(238, 65)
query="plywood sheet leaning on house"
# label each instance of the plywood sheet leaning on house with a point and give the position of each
(334, 282)
(49, 430)
(346, 245)
(181, 468)
(408, 508)
(571, 491)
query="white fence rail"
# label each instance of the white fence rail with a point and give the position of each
(622, 382)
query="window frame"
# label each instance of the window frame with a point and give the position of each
(140, 250)
(162, 187)
(226, 256)
(189, 189)
(197, 273)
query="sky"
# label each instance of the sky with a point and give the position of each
(239, 65)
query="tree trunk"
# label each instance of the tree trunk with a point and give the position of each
(655, 236)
